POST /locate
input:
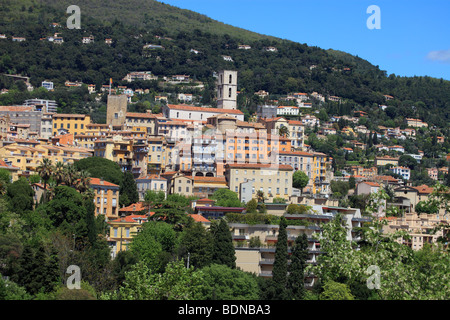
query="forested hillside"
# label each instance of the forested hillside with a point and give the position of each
(294, 67)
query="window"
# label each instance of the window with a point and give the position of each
(230, 79)
(115, 232)
(116, 115)
(229, 93)
(127, 232)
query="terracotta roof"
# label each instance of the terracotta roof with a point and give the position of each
(150, 176)
(205, 200)
(295, 153)
(16, 108)
(203, 109)
(373, 184)
(260, 166)
(199, 218)
(424, 189)
(141, 115)
(295, 122)
(69, 115)
(210, 179)
(139, 206)
(130, 218)
(97, 181)
(5, 165)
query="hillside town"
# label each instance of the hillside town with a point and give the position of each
(196, 150)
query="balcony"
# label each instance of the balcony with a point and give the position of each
(266, 261)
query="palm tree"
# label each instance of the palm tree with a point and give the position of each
(58, 172)
(83, 182)
(283, 131)
(70, 175)
(260, 196)
(45, 170)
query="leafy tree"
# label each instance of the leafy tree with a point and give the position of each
(20, 196)
(154, 238)
(195, 245)
(226, 198)
(67, 211)
(300, 180)
(153, 198)
(336, 291)
(11, 291)
(251, 206)
(224, 283)
(176, 283)
(101, 168)
(223, 248)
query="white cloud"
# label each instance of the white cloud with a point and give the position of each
(439, 56)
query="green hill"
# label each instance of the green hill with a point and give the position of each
(294, 67)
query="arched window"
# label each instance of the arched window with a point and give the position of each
(229, 93)
(231, 78)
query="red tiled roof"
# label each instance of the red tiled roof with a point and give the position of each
(260, 166)
(68, 115)
(16, 108)
(199, 218)
(373, 184)
(130, 218)
(203, 109)
(139, 206)
(4, 164)
(296, 153)
(141, 115)
(210, 179)
(205, 200)
(97, 181)
(424, 189)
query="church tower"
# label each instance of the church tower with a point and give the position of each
(227, 90)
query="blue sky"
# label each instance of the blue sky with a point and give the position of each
(414, 38)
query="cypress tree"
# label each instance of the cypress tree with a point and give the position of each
(223, 248)
(128, 188)
(280, 265)
(296, 278)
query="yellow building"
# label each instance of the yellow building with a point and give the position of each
(420, 228)
(106, 198)
(156, 154)
(122, 231)
(382, 161)
(71, 123)
(116, 149)
(275, 180)
(28, 158)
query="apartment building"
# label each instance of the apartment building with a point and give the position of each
(404, 172)
(142, 120)
(28, 158)
(122, 231)
(26, 115)
(275, 180)
(106, 198)
(316, 165)
(420, 228)
(296, 134)
(259, 258)
(151, 182)
(70, 123)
